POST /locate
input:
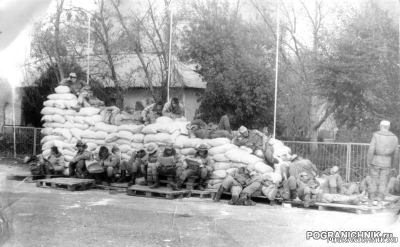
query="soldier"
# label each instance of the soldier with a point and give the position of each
(74, 84)
(173, 109)
(110, 163)
(252, 139)
(394, 186)
(234, 183)
(383, 154)
(152, 112)
(196, 166)
(136, 166)
(77, 166)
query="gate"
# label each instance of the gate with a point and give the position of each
(27, 141)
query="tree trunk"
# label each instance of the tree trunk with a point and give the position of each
(314, 107)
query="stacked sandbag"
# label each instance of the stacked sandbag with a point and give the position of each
(280, 150)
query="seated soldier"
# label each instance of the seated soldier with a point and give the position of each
(152, 112)
(196, 166)
(252, 139)
(199, 130)
(74, 84)
(254, 187)
(173, 109)
(109, 162)
(394, 186)
(331, 182)
(168, 162)
(136, 166)
(41, 167)
(337, 198)
(234, 182)
(57, 160)
(77, 166)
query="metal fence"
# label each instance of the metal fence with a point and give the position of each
(27, 141)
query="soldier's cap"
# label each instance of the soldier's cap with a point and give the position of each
(72, 75)
(169, 146)
(151, 148)
(385, 123)
(202, 147)
(80, 144)
(242, 129)
(334, 170)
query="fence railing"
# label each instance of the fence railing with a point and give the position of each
(27, 141)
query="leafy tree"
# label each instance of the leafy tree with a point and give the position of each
(235, 60)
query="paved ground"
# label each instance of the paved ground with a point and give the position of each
(47, 217)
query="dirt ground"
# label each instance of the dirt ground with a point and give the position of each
(47, 217)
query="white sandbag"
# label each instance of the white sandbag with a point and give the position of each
(276, 143)
(68, 125)
(159, 137)
(88, 134)
(218, 174)
(282, 151)
(66, 134)
(46, 131)
(73, 140)
(125, 156)
(247, 149)
(222, 149)
(62, 96)
(218, 142)
(192, 143)
(91, 146)
(47, 145)
(238, 165)
(62, 89)
(164, 120)
(135, 129)
(57, 132)
(231, 170)
(66, 171)
(214, 181)
(69, 118)
(50, 138)
(55, 103)
(251, 168)
(261, 167)
(70, 104)
(105, 127)
(249, 159)
(88, 111)
(68, 159)
(111, 137)
(47, 118)
(182, 127)
(181, 119)
(273, 177)
(123, 134)
(53, 125)
(68, 152)
(180, 140)
(222, 166)
(125, 148)
(79, 119)
(46, 152)
(100, 135)
(68, 113)
(122, 141)
(152, 128)
(136, 146)
(170, 128)
(64, 145)
(77, 133)
(139, 138)
(93, 119)
(187, 151)
(98, 142)
(236, 155)
(220, 158)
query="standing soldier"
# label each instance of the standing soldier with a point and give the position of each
(383, 154)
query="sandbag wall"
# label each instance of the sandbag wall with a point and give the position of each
(64, 127)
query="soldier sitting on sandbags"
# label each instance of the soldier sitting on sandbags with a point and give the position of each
(77, 166)
(168, 162)
(173, 109)
(252, 139)
(195, 166)
(74, 84)
(110, 164)
(254, 187)
(234, 182)
(152, 112)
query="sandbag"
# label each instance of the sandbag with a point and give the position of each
(220, 158)
(276, 144)
(249, 159)
(182, 127)
(273, 177)
(238, 165)
(50, 138)
(152, 128)
(55, 103)
(69, 119)
(66, 171)
(180, 140)
(135, 129)
(46, 131)
(93, 119)
(170, 128)
(214, 181)
(236, 155)
(122, 141)
(68, 158)
(123, 134)
(98, 142)
(88, 111)
(100, 135)
(111, 137)
(221, 166)
(218, 174)
(159, 137)
(136, 146)
(62, 96)
(77, 133)
(164, 120)
(66, 134)
(47, 118)
(187, 151)
(53, 125)
(79, 119)
(139, 138)
(46, 152)
(192, 143)
(261, 167)
(281, 151)
(62, 89)
(68, 152)
(105, 127)
(125, 148)
(218, 142)
(91, 146)
(181, 119)
(88, 134)
(73, 140)
(125, 156)
(247, 149)
(71, 104)
(230, 170)
(222, 149)
(57, 132)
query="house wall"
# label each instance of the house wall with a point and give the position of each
(187, 96)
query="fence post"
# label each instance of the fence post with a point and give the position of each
(348, 162)
(34, 141)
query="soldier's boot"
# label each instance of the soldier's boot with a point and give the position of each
(249, 202)
(179, 183)
(133, 180)
(201, 184)
(333, 190)
(233, 200)
(307, 200)
(241, 200)
(123, 177)
(221, 190)
(370, 199)
(107, 182)
(293, 195)
(156, 183)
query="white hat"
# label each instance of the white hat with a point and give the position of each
(384, 122)
(72, 74)
(242, 129)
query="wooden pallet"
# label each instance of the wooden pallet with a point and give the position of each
(144, 191)
(111, 189)
(71, 184)
(201, 194)
(28, 177)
